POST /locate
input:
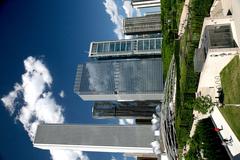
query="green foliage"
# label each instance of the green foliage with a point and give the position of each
(207, 141)
(201, 104)
(169, 31)
(187, 79)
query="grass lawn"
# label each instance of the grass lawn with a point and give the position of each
(230, 78)
(232, 114)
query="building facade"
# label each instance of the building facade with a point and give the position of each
(126, 48)
(214, 37)
(142, 25)
(145, 3)
(131, 109)
(97, 138)
(120, 80)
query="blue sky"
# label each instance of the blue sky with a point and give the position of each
(57, 34)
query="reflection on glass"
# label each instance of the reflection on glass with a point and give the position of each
(94, 47)
(146, 44)
(131, 76)
(140, 45)
(136, 109)
(123, 45)
(133, 45)
(117, 46)
(129, 47)
(100, 47)
(158, 43)
(106, 47)
(152, 44)
(112, 46)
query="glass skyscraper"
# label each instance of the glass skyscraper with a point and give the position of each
(142, 25)
(126, 48)
(127, 80)
(97, 138)
(131, 109)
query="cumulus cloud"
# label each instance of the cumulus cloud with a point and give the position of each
(113, 158)
(9, 100)
(128, 8)
(116, 18)
(126, 121)
(68, 155)
(37, 104)
(62, 94)
(138, 12)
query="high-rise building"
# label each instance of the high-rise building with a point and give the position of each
(120, 80)
(126, 48)
(142, 25)
(131, 109)
(145, 3)
(97, 138)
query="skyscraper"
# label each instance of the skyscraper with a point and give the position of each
(145, 3)
(125, 80)
(131, 109)
(98, 138)
(142, 25)
(126, 48)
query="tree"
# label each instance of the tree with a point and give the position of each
(203, 103)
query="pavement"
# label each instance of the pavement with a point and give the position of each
(209, 81)
(219, 121)
(184, 18)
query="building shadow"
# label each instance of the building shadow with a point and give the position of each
(237, 157)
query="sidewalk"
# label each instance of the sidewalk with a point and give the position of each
(226, 133)
(184, 18)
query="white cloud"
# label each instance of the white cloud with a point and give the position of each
(38, 105)
(138, 12)
(68, 155)
(126, 121)
(112, 10)
(116, 18)
(62, 94)
(128, 8)
(9, 100)
(113, 158)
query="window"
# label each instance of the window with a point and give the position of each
(123, 46)
(112, 44)
(140, 45)
(117, 46)
(100, 47)
(129, 47)
(106, 47)
(146, 44)
(158, 44)
(94, 47)
(152, 44)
